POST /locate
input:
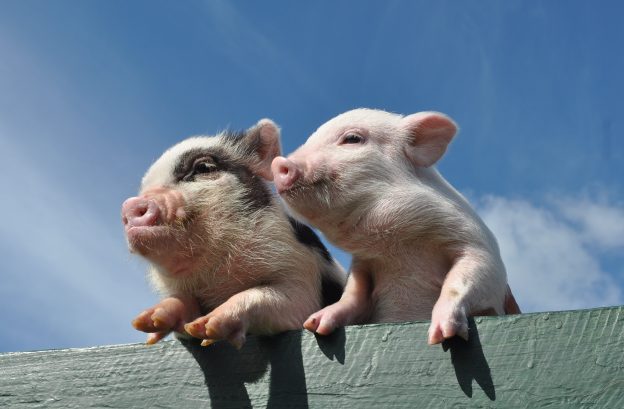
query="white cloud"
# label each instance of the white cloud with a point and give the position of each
(600, 223)
(553, 252)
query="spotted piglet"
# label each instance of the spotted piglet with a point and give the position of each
(225, 256)
(366, 180)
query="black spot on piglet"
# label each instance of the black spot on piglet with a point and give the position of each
(307, 237)
(331, 291)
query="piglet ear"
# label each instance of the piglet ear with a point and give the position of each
(429, 133)
(264, 139)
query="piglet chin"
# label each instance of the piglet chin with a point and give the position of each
(157, 245)
(145, 239)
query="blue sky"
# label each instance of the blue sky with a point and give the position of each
(92, 92)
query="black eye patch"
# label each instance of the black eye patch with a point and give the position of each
(201, 166)
(197, 162)
(204, 166)
(204, 161)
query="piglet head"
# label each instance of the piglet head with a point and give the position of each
(197, 196)
(344, 168)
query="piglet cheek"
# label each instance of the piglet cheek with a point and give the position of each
(320, 166)
(171, 203)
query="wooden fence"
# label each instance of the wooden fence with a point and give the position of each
(571, 359)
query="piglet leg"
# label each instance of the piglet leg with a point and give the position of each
(354, 306)
(511, 306)
(470, 288)
(262, 310)
(168, 315)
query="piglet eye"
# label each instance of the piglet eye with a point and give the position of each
(203, 167)
(352, 138)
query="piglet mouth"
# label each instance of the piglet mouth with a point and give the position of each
(296, 190)
(162, 246)
(306, 188)
(290, 190)
(134, 233)
(146, 224)
(309, 199)
(146, 239)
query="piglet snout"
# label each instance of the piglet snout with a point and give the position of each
(285, 173)
(139, 212)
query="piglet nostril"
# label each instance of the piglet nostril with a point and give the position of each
(283, 170)
(138, 211)
(285, 173)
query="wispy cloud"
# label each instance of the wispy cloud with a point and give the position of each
(600, 223)
(553, 251)
(67, 274)
(67, 277)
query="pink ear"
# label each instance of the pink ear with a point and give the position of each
(429, 135)
(266, 140)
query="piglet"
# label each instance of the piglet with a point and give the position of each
(366, 180)
(223, 253)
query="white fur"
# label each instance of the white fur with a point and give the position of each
(410, 232)
(245, 267)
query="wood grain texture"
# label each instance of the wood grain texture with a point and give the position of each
(569, 359)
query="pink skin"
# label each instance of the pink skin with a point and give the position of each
(248, 311)
(285, 173)
(148, 221)
(168, 315)
(145, 220)
(325, 153)
(178, 230)
(138, 212)
(182, 314)
(353, 307)
(226, 322)
(156, 206)
(150, 225)
(448, 317)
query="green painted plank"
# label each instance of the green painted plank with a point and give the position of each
(572, 359)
